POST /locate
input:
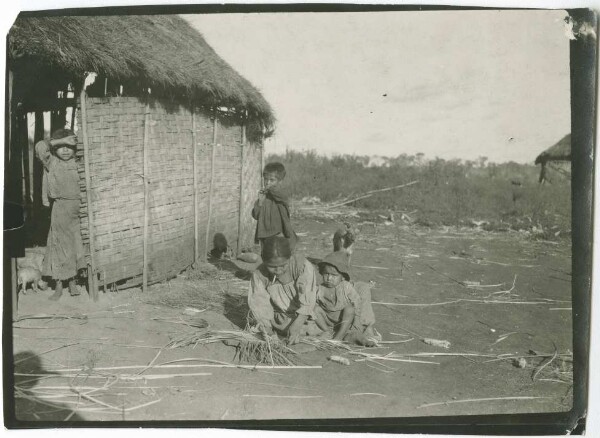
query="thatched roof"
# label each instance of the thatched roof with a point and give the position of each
(561, 151)
(162, 51)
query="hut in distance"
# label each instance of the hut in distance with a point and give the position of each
(170, 138)
(557, 157)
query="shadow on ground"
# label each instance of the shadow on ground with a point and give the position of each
(230, 266)
(28, 404)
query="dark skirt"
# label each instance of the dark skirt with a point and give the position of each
(64, 250)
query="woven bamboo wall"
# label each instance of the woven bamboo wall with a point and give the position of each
(116, 133)
(226, 185)
(252, 184)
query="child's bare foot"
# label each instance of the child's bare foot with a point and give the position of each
(359, 339)
(371, 333)
(58, 290)
(73, 288)
(55, 296)
(366, 342)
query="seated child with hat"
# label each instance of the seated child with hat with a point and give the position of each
(340, 306)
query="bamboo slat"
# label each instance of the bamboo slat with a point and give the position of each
(146, 176)
(241, 203)
(195, 172)
(92, 279)
(211, 183)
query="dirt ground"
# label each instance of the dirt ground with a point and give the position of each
(417, 269)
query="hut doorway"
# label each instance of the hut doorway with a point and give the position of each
(32, 123)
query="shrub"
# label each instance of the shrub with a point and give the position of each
(449, 192)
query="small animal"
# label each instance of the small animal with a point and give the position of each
(31, 276)
(34, 258)
(343, 240)
(221, 249)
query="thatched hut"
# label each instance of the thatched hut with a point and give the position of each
(559, 153)
(170, 137)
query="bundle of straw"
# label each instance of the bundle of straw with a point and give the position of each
(250, 347)
(327, 344)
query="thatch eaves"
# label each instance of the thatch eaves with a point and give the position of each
(162, 52)
(561, 151)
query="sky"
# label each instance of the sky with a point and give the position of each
(448, 84)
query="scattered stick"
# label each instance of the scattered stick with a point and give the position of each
(49, 316)
(44, 352)
(215, 365)
(122, 376)
(481, 286)
(380, 365)
(269, 384)
(368, 393)
(395, 342)
(510, 264)
(37, 327)
(505, 291)
(503, 337)
(427, 354)
(95, 400)
(161, 376)
(510, 356)
(373, 357)
(366, 195)
(542, 366)
(429, 341)
(133, 408)
(327, 344)
(151, 362)
(447, 276)
(369, 267)
(281, 396)
(462, 300)
(470, 400)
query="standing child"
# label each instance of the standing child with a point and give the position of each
(271, 210)
(64, 250)
(340, 306)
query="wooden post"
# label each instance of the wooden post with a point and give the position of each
(8, 134)
(241, 206)
(73, 113)
(262, 164)
(92, 279)
(584, 71)
(13, 188)
(195, 171)
(38, 170)
(212, 178)
(14, 291)
(26, 168)
(146, 199)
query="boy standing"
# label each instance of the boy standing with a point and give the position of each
(271, 210)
